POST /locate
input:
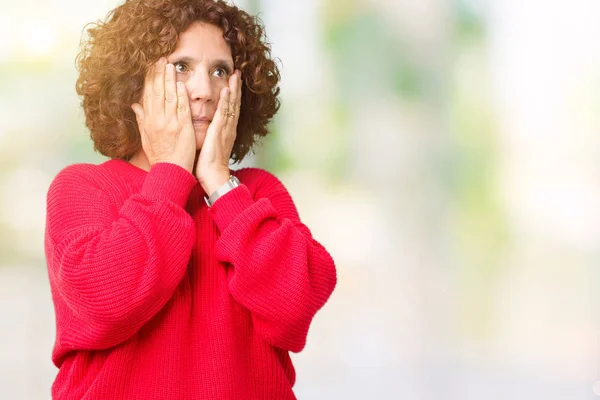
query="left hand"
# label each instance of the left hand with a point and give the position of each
(212, 168)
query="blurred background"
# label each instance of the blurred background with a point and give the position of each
(445, 152)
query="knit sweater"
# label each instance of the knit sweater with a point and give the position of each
(158, 296)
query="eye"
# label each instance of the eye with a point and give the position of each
(221, 72)
(181, 67)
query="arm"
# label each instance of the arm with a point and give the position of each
(116, 268)
(279, 272)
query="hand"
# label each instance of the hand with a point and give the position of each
(164, 121)
(212, 169)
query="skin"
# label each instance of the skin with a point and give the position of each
(190, 107)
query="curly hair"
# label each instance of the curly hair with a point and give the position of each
(113, 61)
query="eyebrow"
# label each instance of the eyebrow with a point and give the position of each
(191, 60)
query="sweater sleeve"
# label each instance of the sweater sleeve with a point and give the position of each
(279, 272)
(114, 268)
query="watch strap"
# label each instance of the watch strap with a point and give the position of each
(231, 183)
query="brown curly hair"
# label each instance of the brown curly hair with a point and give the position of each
(114, 59)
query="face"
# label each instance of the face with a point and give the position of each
(203, 62)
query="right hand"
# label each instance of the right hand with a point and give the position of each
(164, 120)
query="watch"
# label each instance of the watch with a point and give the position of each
(231, 183)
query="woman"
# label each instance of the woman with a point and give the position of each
(173, 277)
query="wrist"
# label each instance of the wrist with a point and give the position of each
(212, 183)
(231, 183)
(183, 164)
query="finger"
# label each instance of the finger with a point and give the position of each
(235, 97)
(183, 108)
(170, 92)
(158, 90)
(222, 113)
(220, 118)
(239, 90)
(138, 110)
(238, 105)
(148, 85)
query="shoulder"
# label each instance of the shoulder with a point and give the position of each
(264, 185)
(75, 174)
(84, 177)
(258, 180)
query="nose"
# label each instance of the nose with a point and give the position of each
(199, 87)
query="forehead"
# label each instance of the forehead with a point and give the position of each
(202, 38)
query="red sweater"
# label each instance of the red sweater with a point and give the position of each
(158, 296)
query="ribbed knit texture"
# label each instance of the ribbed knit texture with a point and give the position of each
(159, 297)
